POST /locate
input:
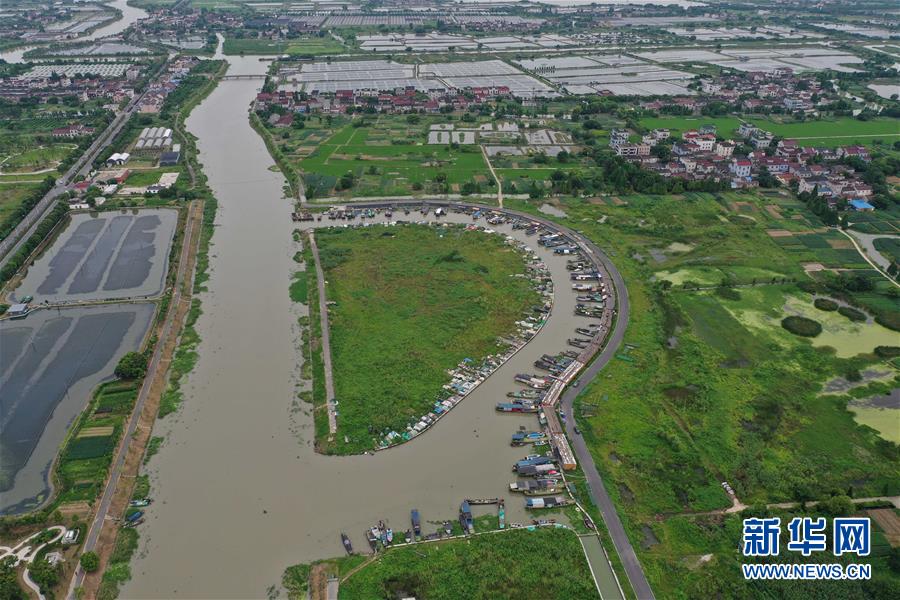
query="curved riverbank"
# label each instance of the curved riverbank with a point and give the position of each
(239, 462)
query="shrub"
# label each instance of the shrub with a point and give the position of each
(132, 365)
(837, 506)
(887, 351)
(826, 304)
(90, 562)
(891, 320)
(852, 313)
(802, 326)
(728, 293)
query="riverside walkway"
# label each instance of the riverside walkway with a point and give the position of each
(326, 339)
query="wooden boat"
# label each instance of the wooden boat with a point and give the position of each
(477, 501)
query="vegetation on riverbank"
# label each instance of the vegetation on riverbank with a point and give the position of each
(43, 230)
(283, 164)
(408, 303)
(709, 387)
(545, 563)
(17, 200)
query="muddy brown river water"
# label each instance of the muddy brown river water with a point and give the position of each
(239, 492)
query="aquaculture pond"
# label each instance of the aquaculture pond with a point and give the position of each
(99, 256)
(49, 364)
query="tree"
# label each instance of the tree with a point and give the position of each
(132, 365)
(837, 506)
(90, 562)
(44, 574)
(9, 583)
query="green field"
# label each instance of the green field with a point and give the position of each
(391, 169)
(545, 563)
(145, 177)
(409, 303)
(711, 388)
(26, 140)
(37, 159)
(12, 194)
(889, 248)
(844, 131)
(85, 460)
(311, 46)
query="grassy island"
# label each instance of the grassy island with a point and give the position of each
(405, 305)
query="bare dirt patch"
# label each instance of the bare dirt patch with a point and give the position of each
(888, 520)
(742, 207)
(774, 211)
(82, 509)
(96, 432)
(318, 582)
(778, 233)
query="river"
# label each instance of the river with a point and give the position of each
(239, 492)
(130, 14)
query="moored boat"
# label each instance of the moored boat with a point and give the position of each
(346, 542)
(465, 517)
(512, 407)
(416, 523)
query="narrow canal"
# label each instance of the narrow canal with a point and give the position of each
(238, 488)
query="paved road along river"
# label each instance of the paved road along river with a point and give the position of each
(240, 493)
